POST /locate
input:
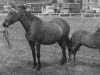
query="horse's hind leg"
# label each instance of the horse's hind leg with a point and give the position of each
(38, 55)
(62, 44)
(32, 45)
(75, 51)
(69, 46)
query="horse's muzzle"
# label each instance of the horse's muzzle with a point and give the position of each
(5, 25)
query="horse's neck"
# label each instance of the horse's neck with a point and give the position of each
(25, 23)
(30, 21)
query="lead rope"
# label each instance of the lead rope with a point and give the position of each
(6, 38)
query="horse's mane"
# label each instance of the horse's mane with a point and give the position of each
(31, 16)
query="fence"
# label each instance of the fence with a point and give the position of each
(67, 15)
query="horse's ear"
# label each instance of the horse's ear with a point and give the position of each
(12, 5)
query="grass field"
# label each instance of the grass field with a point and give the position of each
(18, 60)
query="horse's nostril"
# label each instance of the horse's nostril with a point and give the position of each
(4, 25)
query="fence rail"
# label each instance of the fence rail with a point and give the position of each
(67, 15)
(70, 15)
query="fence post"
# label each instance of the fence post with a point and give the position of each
(94, 16)
(38, 15)
(82, 15)
(59, 15)
(70, 15)
(49, 14)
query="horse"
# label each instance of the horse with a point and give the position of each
(84, 38)
(39, 32)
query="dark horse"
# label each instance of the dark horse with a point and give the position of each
(82, 37)
(39, 32)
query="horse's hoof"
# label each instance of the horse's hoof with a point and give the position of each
(68, 64)
(63, 62)
(74, 63)
(35, 65)
(38, 68)
(69, 60)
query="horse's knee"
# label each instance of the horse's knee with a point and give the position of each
(38, 49)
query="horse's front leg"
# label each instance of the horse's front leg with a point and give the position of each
(32, 45)
(38, 55)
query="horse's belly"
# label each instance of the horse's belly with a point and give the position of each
(47, 42)
(50, 39)
(50, 36)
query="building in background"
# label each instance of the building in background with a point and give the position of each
(56, 6)
(71, 6)
(42, 6)
(90, 5)
(35, 7)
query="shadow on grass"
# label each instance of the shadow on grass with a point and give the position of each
(46, 63)
(92, 65)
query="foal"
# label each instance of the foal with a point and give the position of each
(82, 37)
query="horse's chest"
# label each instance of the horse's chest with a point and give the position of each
(31, 34)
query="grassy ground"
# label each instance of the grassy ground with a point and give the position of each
(18, 60)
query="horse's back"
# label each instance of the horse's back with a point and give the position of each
(62, 24)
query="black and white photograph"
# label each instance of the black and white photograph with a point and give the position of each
(49, 37)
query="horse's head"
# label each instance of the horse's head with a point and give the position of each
(98, 28)
(14, 15)
(10, 19)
